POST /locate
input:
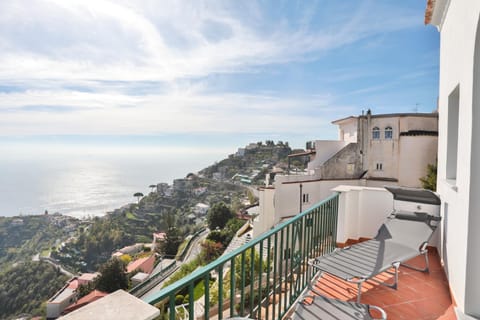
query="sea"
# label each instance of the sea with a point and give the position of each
(89, 181)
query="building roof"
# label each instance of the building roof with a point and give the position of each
(160, 235)
(299, 154)
(429, 11)
(388, 115)
(141, 264)
(88, 276)
(339, 121)
(89, 298)
(119, 305)
(140, 276)
(435, 12)
(73, 284)
(65, 293)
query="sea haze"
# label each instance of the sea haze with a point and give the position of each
(84, 180)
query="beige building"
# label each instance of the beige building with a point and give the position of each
(372, 150)
(391, 147)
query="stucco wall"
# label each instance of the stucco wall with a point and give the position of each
(410, 123)
(287, 195)
(415, 153)
(348, 130)
(460, 247)
(266, 216)
(324, 149)
(362, 210)
(418, 150)
(345, 164)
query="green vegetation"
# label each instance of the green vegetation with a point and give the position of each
(112, 276)
(218, 216)
(212, 248)
(23, 237)
(225, 235)
(258, 267)
(25, 288)
(430, 180)
(138, 195)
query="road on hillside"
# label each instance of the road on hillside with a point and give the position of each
(191, 254)
(195, 247)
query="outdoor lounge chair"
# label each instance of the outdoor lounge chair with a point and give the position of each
(402, 237)
(319, 307)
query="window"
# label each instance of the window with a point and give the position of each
(388, 133)
(452, 133)
(305, 197)
(376, 133)
(379, 166)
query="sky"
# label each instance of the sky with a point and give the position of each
(209, 74)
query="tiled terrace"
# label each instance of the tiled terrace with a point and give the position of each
(419, 295)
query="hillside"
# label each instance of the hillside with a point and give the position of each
(82, 246)
(25, 236)
(251, 163)
(25, 287)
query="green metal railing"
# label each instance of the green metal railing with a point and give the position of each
(261, 279)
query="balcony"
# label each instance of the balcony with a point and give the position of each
(264, 278)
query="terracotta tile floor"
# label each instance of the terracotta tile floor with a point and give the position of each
(419, 295)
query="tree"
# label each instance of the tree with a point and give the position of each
(85, 289)
(139, 195)
(152, 186)
(430, 180)
(112, 276)
(211, 250)
(218, 215)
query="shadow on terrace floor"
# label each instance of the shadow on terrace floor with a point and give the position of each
(419, 295)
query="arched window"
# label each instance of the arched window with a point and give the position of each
(388, 133)
(376, 133)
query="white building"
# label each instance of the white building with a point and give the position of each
(459, 146)
(201, 209)
(372, 150)
(62, 299)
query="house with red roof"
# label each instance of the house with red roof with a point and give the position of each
(89, 298)
(143, 264)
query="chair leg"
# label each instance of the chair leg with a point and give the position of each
(359, 292)
(427, 265)
(394, 285)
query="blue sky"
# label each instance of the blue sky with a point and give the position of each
(213, 74)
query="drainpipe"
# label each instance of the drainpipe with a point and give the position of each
(301, 193)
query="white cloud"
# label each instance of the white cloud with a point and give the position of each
(164, 40)
(111, 47)
(117, 113)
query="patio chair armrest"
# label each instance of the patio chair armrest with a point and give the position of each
(384, 314)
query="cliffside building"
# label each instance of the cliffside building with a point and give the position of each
(371, 150)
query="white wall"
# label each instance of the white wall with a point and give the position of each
(324, 150)
(362, 210)
(348, 130)
(460, 246)
(287, 195)
(265, 219)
